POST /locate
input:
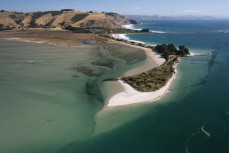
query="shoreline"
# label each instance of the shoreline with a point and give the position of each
(128, 95)
(52, 37)
(153, 59)
(124, 37)
(130, 26)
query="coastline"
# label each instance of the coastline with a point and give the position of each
(153, 59)
(130, 96)
(131, 26)
(52, 37)
(127, 94)
(124, 37)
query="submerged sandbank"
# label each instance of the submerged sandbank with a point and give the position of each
(128, 95)
(153, 59)
(131, 96)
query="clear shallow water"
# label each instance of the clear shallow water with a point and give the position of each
(49, 96)
(191, 118)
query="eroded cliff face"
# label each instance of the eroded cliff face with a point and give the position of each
(58, 19)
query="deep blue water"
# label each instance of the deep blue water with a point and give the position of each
(202, 96)
(191, 26)
(194, 116)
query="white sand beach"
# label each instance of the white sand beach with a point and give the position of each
(153, 59)
(129, 95)
(124, 37)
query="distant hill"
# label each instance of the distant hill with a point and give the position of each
(147, 17)
(184, 17)
(61, 19)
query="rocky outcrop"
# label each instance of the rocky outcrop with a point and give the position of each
(133, 21)
(58, 19)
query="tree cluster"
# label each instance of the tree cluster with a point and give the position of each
(145, 30)
(79, 17)
(170, 49)
(132, 21)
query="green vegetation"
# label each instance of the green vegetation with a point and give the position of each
(66, 10)
(145, 30)
(111, 13)
(158, 77)
(54, 13)
(79, 17)
(3, 27)
(102, 31)
(13, 16)
(154, 79)
(132, 21)
(85, 30)
(37, 15)
(170, 49)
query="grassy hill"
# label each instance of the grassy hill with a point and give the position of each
(58, 19)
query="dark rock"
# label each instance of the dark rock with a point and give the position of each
(132, 21)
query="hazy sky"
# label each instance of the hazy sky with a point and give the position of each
(139, 7)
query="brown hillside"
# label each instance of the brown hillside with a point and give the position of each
(58, 19)
(44, 20)
(64, 19)
(6, 20)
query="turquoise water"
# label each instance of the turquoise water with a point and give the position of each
(49, 96)
(45, 107)
(193, 117)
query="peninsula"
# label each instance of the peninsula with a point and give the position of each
(72, 28)
(150, 85)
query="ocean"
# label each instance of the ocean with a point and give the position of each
(51, 101)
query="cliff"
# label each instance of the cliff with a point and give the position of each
(61, 19)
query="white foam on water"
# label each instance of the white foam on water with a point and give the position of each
(24, 40)
(197, 53)
(130, 26)
(11, 38)
(223, 31)
(159, 32)
(204, 131)
(125, 37)
(122, 36)
(32, 41)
